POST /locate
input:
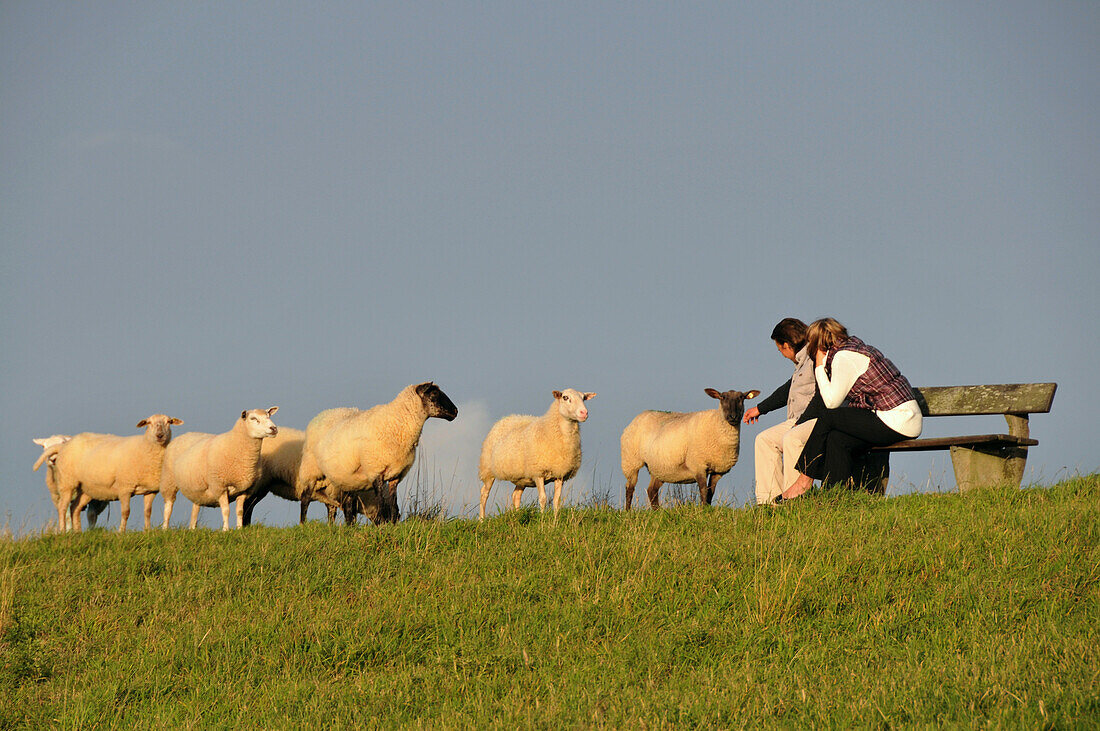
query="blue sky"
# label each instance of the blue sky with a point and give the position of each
(210, 207)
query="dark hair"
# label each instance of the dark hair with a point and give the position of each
(791, 331)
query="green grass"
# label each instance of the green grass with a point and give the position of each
(924, 610)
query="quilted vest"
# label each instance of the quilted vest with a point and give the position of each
(881, 387)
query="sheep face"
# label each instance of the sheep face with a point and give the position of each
(571, 404)
(733, 403)
(436, 403)
(258, 424)
(159, 427)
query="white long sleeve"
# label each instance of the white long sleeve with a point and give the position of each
(848, 366)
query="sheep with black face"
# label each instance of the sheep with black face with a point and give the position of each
(681, 448)
(353, 458)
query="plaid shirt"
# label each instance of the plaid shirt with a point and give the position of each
(881, 387)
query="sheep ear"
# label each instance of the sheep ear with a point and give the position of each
(39, 442)
(557, 394)
(752, 394)
(272, 410)
(143, 422)
(712, 393)
(175, 421)
(422, 388)
(589, 394)
(244, 414)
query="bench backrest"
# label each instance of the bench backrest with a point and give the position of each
(1009, 398)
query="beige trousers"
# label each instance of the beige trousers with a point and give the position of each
(777, 451)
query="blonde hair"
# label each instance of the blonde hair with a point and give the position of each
(825, 334)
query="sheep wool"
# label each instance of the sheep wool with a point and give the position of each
(280, 460)
(681, 448)
(215, 469)
(49, 458)
(530, 450)
(356, 458)
(109, 467)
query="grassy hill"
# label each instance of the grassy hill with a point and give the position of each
(832, 611)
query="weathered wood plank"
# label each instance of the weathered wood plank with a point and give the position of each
(933, 443)
(1007, 398)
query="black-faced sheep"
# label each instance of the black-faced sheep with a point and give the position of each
(355, 458)
(682, 448)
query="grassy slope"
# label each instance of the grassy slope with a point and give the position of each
(838, 610)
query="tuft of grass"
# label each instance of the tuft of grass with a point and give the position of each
(842, 609)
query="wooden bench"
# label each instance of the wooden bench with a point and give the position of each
(980, 460)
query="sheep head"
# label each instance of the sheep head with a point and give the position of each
(571, 403)
(258, 424)
(436, 403)
(733, 403)
(159, 427)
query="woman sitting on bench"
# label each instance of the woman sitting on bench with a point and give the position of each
(879, 408)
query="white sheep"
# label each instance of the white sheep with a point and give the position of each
(109, 467)
(215, 469)
(681, 448)
(529, 450)
(280, 460)
(49, 458)
(354, 458)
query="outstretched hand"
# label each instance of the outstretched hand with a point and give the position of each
(752, 415)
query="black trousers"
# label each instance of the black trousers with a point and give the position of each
(838, 438)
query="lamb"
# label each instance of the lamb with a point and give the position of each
(682, 448)
(109, 467)
(280, 460)
(353, 457)
(529, 450)
(214, 469)
(49, 457)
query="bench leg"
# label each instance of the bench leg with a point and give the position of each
(986, 466)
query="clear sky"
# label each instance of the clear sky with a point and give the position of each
(208, 207)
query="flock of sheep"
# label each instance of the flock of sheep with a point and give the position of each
(352, 460)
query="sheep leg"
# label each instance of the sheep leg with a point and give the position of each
(95, 507)
(391, 497)
(304, 500)
(557, 495)
(64, 505)
(169, 502)
(485, 487)
(194, 516)
(77, 506)
(250, 504)
(147, 509)
(517, 495)
(223, 503)
(701, 480)
(712, 484)
(652, 491)
(352, 506)
(240, 510)
(631, 482)
(540, 483)
(124, 498)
